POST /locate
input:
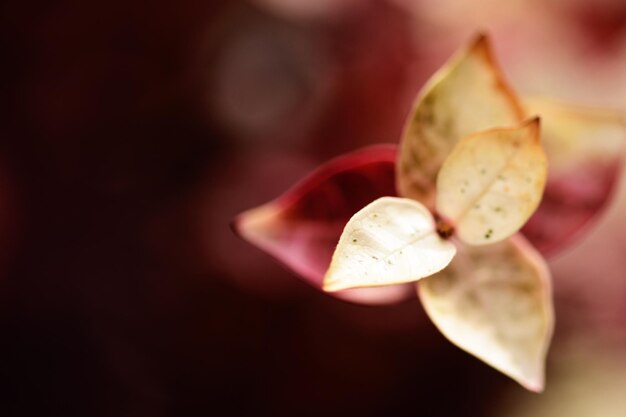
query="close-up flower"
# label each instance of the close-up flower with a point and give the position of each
(313, 208)
(445, 209)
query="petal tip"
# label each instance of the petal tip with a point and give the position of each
(235, 225)
(534, 121)
(480, 41)
(537, 386)
(330, 288)
(252, 225)
(481, 46)
(533, 125)
(330, 285)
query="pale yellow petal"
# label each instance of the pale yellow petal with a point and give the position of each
(469, 94)
(495, 302)
(492, 183)
(390, 241)
(578, 136)
(585, 149)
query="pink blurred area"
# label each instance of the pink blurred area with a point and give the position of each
(133, 133)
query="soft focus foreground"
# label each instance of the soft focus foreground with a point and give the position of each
(134, 134)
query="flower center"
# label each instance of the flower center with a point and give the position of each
(444, 229)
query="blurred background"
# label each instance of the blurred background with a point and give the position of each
(131, 134)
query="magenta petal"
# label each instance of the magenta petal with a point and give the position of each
(571, 200)
(302, 227)
(585, 148)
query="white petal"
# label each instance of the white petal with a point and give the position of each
(390, 241)
(495, 302)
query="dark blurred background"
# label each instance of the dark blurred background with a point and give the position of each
(131, 134)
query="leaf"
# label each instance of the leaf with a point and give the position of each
(390, 241)
(495, 303)
(492, 183)
(585, 148)
(302, 227)
(469, 94)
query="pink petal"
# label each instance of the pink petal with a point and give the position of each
(585, 148)
(302, 227)
(570, 202)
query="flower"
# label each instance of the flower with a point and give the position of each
(444, 211)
